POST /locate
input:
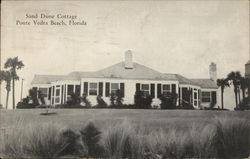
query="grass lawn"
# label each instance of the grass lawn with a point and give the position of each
(178, 125)
(153, 119)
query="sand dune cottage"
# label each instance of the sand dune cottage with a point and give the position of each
(127, 76)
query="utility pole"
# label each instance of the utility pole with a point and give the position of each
(21, 90)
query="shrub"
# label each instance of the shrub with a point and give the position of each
(142, 100)
(74, 99)
(91, 136)
(100, 102)
(41, 97)
(119, 98)
(116, 99)
(168, 101)
(112, 99)
(33, 96)
(85, 100)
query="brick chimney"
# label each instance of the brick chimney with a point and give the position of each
(213, 71)
(128, 60)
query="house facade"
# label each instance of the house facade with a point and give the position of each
(128, 77)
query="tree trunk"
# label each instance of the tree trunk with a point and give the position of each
(222, 102)
(13, 93)
(243, 94)
(236, 96)
(238, 89)
(7, 99)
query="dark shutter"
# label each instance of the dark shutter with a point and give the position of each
(185, 94)
(85, 88)
(49, 95)
(152, 90)
(107, 89)
(179, 96)
(100, 88)
(70, 90)
(214, 100)
(62, 95)
(77, 90)
(191, 96)
(137, 86)
(173, 88)
(158, 90)
(122, 88)
(65, 95)
(199, 96)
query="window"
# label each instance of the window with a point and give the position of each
(44, 91)
(57, 92)
(145, 89)
(205, 96)
(70, 89)
(92, 88)
(166, 88)
(114, 87)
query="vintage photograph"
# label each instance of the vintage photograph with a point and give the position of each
(122, 79)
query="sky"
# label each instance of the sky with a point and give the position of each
(181, 37)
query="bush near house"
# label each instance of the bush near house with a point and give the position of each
(100, 102)
(31, 101)
(76, 102)
(116, 99)
(244, 104)
(142, 101)
(74, 99)
(168, 101)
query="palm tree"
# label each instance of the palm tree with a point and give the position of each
(243, 86)
(222, 83)
(6, 76)
(13, 64)
(234, 77)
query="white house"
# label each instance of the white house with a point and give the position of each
(128, 76)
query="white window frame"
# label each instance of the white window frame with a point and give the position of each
(112, 89)
(166, 91)
(93, 89)
(145, 91)
(206, 96)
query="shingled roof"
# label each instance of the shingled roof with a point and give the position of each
(139, 72)
(180, 78)
(205, 83)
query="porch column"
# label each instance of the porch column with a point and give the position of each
(54, 94)
(156, 93)
(81, 88)
(104, 88)
(180, 95)
(177, 92)
(66, 91)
